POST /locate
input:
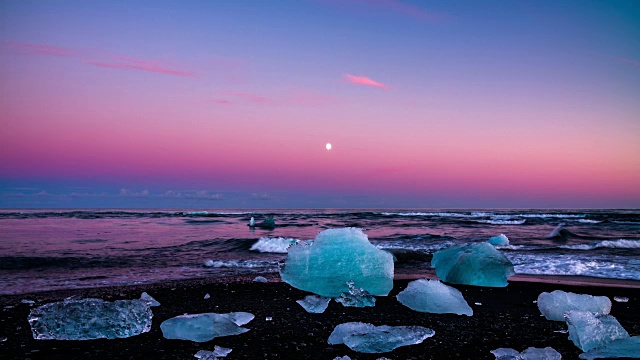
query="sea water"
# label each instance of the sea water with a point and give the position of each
(59, 249)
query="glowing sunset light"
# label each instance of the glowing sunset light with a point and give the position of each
(328, 146)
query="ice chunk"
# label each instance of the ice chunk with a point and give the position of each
(356, 297)
(335, 257)
(621, 299)
(531, 353)
(589, 331)
(260, 279)
(432, 296)
(27, 301)
(473, 264)
(367, 338)
(88, 319)
(555, 304)
(314, 304)
(500, 240)
(204, 327)
(252, 222)
(624, 347)
(217, 352)
(150, 300)
(342, 358)
(269, 223)
(207, 296)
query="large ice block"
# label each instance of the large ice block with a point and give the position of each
(367, 338)
(531, 353)
(473, 264)
(314, 304)
(589, 331)
(432, 296)
(206, 326)
(335, 257)
(555, 304)
(623, 347)
(356, 297)
(88, 319)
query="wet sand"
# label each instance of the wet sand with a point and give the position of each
(507, 317)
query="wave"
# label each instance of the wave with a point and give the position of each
(588, 221)
(247, 264)
(502, 222)
(613, 244)
(612, 268)
(413, 247)
(273, 245)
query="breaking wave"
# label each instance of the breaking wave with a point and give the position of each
(613, 244)
(502, 222)
(247, 264)
(273, 245)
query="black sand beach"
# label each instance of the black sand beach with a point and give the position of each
(507, 317)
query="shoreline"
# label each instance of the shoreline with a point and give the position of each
(507, 317)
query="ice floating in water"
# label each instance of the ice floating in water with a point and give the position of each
(27, 301)
(217, 352)
(432, 296)
(368, 338)
(531, 353)
(473, 264)
(89, 319)
(589, 331)
(269, 223)
(621, 299)
(260, 279)
(252, 222)
(356, 297)
(150, 300)
(500, 240)
(206, 296)
(555, 304)
(204, 327)
(335, 257)
(314, 304)
(625, 347)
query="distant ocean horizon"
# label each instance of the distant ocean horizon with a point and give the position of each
(48, 249)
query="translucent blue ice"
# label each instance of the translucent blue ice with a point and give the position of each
(531, 353)
(88, 319)
(260, 279)
(500, 240)
(473, 264)
(204, 327)
(367, 338)
(589, 331)
(217, 352)
(149, 299)
(624, 347)
(432, 296)
(314, 304)
(557, 303)
(335, 257)
(356, 297)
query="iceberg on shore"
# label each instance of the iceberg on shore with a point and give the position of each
(432, 296)
(217, 352)
(531, 353)
(149, 299)
(590, 331)
(555, 304)
(89, 319)
(205, 327)
(335, 257)
(356, 297)
(314, 304)
(367, 338)
(623, 347)
(473, 264)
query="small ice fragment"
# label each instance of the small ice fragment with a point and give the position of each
(206, 296)
(268, 318)
(26, 301)
(477, 264)
(252, 222)
(356, 297)
(383, 358)
(561, 331)
(557, 303)
(500, 240)
(432, 296)
(335, 257)
(218, 352)
(3, 339)
(260, 279)
(147, 298)
(367, 338)
(314, 304)
(589, 331)
(531, 353)
(204, 327)
(9, 307)
(208, 263)
(89, 319)
(621, 299)
(479, 304)
(625, 347)
(342, 358)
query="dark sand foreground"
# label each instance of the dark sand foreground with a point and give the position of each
(508, 317)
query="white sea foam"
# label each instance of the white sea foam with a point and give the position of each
(502, 222)
(248, 264)
(610, 267)
(273, 245)
(397, 245)
(589, 221)
(613, 244)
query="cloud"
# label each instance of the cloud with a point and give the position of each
(221, 101)
(261, 196)
(205, 195)
(87, 194)
(128, 193)
(95, 58)
(198, 195)
(363, 80)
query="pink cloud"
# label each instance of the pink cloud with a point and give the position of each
(96, 58)
(363, 80)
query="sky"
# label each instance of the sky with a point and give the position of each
(229, 104)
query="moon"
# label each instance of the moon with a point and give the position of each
(328, 146)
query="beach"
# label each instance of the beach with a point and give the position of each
(503, 317)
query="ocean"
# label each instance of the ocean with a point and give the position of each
(61, 249)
